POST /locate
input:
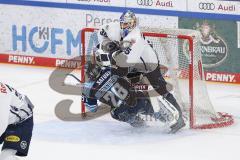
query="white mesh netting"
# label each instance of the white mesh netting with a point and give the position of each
(174, 48)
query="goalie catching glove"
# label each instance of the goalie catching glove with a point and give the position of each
(103, 55)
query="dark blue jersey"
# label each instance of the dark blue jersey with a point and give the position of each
(110, 89)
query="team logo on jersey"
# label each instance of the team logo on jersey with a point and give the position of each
(12, 138)
(23, 144)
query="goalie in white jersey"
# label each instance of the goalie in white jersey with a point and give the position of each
(137, 55)
(16, 123)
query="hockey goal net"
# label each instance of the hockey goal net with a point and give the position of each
(178, 50)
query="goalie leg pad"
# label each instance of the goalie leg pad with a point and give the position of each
(167, 112)
(169, 97)
(171, 112)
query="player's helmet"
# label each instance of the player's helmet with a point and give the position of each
(128, 22)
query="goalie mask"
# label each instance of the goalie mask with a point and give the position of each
(128, 22)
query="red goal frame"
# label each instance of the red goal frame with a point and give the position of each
(224, 119)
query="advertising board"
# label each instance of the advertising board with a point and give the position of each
(214, 6)
(158, 4)
(32, 33)
(118, 3)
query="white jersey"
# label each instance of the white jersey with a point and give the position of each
(14, 107)
(139, 54)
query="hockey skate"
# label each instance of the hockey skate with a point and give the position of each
(180, 122)
(177, 126)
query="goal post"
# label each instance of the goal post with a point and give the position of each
(180, 51)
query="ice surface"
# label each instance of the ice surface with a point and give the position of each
(105, 138)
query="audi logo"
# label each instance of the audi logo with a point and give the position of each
(206, 6)
(145, 2)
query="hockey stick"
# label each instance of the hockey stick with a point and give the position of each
(101, 110)
(75, 77)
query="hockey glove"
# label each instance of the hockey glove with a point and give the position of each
(90, 103)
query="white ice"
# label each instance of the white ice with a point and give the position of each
(105, 138)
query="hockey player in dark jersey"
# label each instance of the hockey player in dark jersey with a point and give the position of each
(111, 87)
